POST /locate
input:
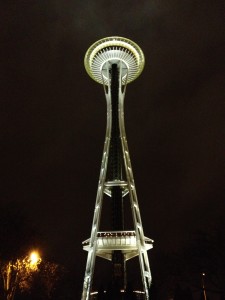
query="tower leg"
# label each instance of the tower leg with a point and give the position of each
(142, 252)
(89, 272)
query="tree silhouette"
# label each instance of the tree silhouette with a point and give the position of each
(182, 293)
(45, 281)
(17, 238)
(204, 252)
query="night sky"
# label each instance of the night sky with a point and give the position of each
(53, 116)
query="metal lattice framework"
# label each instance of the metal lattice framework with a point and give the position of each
(130, 62)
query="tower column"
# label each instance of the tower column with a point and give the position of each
(115, 173)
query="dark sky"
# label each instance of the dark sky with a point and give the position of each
(53, 116)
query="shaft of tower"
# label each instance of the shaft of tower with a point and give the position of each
(115, 168)
(115, 152)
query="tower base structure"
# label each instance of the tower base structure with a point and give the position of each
(114, 62)
(131, 295)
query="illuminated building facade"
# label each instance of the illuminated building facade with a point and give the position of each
(115, 62)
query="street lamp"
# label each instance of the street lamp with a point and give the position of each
(203, 286)
(33, 260)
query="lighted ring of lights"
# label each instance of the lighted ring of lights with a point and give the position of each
(114, 50)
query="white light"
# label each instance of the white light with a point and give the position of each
(34, 258)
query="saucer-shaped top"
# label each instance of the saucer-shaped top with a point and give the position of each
(114, 50)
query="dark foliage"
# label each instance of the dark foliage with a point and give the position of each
(182, 293)
(177, 271)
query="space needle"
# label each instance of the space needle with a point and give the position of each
(114, 62)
